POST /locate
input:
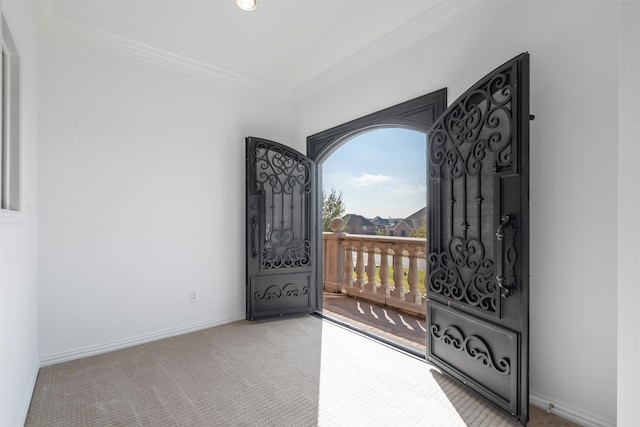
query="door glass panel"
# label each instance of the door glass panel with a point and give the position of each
(280, 223)
(468, 150)
(284, 180)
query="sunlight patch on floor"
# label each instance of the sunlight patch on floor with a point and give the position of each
(365, 383)
(404, 322)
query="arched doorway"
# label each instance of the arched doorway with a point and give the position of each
(413, 118)
(376, 182)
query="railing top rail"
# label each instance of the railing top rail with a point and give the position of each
(375, 238)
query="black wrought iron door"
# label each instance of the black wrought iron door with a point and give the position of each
(280, 230)
(478, 239)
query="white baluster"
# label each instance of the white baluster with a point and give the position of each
(384, 288)
(412, 277)
(360, 266)
(398, 272)
(348, 263)
(371, 267)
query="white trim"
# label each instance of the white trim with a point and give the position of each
(12, 167)
(50, 22)
(422, 26)
(65, 356)
(628, 317)
(568, 412)
(27, 399)
(417, 29)
(8, 218)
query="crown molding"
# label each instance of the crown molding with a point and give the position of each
(52, 23)
(430, 21)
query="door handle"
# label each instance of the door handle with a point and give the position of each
(254, 236)
(506, 256)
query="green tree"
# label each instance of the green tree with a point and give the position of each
(332, 206)
(421, 230)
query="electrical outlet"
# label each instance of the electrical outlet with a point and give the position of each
(193, 296)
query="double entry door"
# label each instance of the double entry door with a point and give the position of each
(477, 239)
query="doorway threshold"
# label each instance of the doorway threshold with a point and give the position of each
(383, 323)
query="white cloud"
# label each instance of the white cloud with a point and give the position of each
(407, 189)
(366, 179)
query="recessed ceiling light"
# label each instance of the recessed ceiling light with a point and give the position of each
(247, 5)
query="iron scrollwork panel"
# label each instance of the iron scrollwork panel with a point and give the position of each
(274, 292)
(475, 351)
(280, 294)
(470, 147)
(473, 346)
(284, 180)
(463, 272)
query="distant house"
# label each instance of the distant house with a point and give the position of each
(400, 229)
(382, 224)
(417, 219)
(357, 224)
(379, 221)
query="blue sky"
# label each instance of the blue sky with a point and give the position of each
(380, 173)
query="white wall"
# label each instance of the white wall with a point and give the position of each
(142, 183)
(142, 198)
(574, 159)
(628, 214)
(19, 361)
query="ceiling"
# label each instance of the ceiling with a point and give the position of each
(283, 44)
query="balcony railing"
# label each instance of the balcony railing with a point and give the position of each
(359, 265)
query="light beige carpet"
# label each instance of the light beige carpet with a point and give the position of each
(295, 372)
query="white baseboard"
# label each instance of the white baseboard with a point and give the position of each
(65, 356)
(568, 412)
